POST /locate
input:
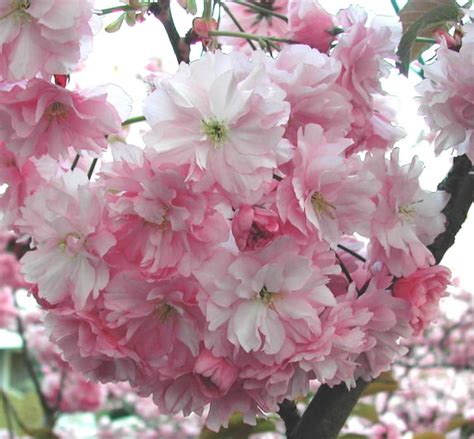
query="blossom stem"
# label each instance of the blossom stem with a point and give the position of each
(236, 22)
(75, 162)
(396, 8)
(91, 169)
(221, 33)
(351, 252)
(425, 40)
(207, 10)
(262, 10)
(133, 120)
(106, 11)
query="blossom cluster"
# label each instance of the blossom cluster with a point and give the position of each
(223, 266)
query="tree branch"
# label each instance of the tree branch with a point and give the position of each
(330, 407)
(161, 10)
(290, 415)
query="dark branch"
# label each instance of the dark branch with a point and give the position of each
(460, 184)
(289, 413)
(161, 10)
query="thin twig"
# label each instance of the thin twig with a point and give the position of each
(91, 169)
(351, 252)
(236, 22)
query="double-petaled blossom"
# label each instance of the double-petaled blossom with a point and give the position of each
(309, 79)
(364, 50)
(42, 118)
(224, 118)
(65, 219)
(8, 311)
(260, 300)
(447, 99)
(161, 224)
(422, 290)
(43, 36)
(326, 193)
(407, 218)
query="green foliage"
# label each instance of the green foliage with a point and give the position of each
(28, 409)
(238, 429)
(419, 18)
(116, 24)
(429, 435)
(366, 411)
(384, 383)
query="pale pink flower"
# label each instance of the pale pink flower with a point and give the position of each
(43, 36)
(447, 99)
(326, 193)
(254, 227)
(65, 218)
(224, 118)
(310, 24)
(8, 312)
(254, 22)
(423, 290)
(309, 79)
(407, 218)
(257, 300)
(164, 226)
(43, 118)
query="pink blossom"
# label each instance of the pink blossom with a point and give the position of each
(310, 24)
(309, 79)
(10, 274)
(164, 226)
(407, 218)
(258, 300)
(224, 118)
(423, 290)
(447, 99)
(254, 227)
(326, 193)
(47, 37)
(8, 310)
(43, 118)
(65, 220)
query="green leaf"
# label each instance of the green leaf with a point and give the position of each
(384, 383)
(418, 21)
(115, 25)
(429, 435)
(238, 429)
(130, 18)
(456, 422)
(366, 411)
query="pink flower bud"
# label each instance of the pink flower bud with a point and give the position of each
(254, 227)
(310, 24)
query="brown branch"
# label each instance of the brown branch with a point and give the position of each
(330, 407)
(161, 10)
(290, 415)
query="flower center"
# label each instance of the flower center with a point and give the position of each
(266, 296)
(407, 213)
(321, 206)
(19, 8)
(165, 311)
(215, 130)
(57, 110)
(72, 242)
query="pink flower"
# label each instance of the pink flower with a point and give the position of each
(423, 290)
(225, 119)
(10, 274)
(65, 220)
(46, 36)
(8, 310)
(326, 193)
(447, 99)
(258, 300)
(43, 118)
(254, 227)
(407, 218)
(309, 79)
(310, 24)
(254, 22)
(163, 224)
(216, 375)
